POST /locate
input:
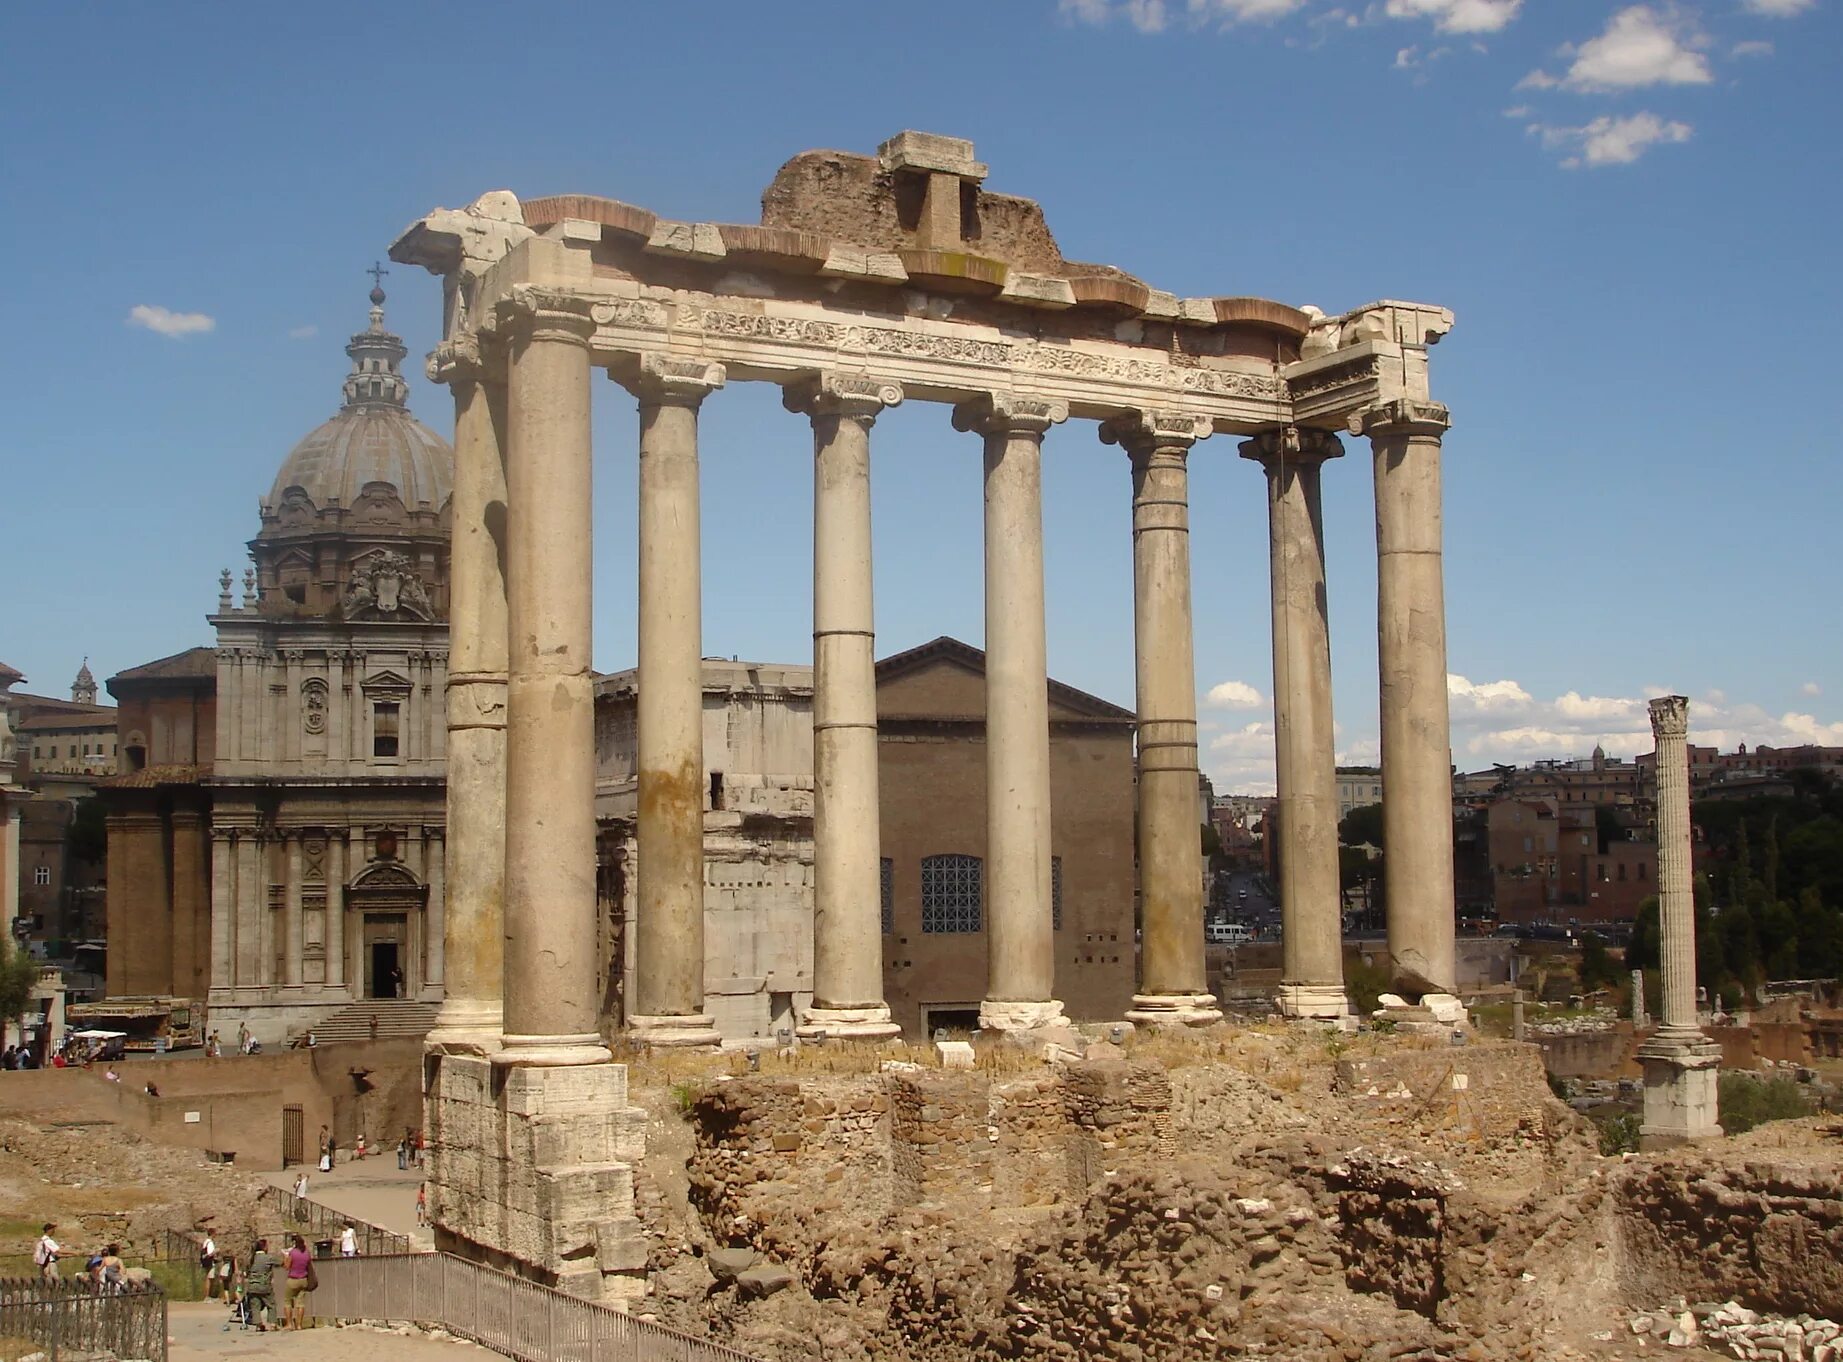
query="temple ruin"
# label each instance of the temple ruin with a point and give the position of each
(869, 281)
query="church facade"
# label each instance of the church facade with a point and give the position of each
(324, 773)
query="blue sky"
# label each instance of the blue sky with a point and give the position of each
(1631, 208)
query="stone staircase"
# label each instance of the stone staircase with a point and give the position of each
(397, 1019)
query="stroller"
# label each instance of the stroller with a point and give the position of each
(238, 1302)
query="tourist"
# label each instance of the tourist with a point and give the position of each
(300, 1196)
(358, 1148)
(208, 1264)
(348, 1241)
(311, 1040)
(301, 1280)
(403, 1153)
(111, 1274)
(259, 1287)
(45, 1255)
(213, 1049)
(422, 1205)
(243, 1038)
(110, 1074)
(329, 1155)
(152, 1091)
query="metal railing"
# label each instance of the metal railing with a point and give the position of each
(508, 1314)
(316, 1222)
(69, 1319)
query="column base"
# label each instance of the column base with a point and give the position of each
(998, 1015)
(673, 1032)
(1681, 1090)
(470, 1026)
(1174, 1009)
(551, 1052)
(1312, 1002)
(868, 1024)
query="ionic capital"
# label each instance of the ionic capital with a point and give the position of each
(1006, 413)
(856, 397)
(540, 314)
(1292, 445)
(470, 358)
(1670, 716)
(1402, 416)
(1144, 434)
(667, 380)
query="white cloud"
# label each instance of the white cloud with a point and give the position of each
(1467, 698)
(1148, 16)
(1520, 111)
(303, 332)
(1537, 80)
(1609, 141)
(1244, 11)
(1641, 46)
(1233, 695)
(1778, 9)
(169, 323)
(1457, 16)
(1810, 688)
(1754, 48)
(1241, 760)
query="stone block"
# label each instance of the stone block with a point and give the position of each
(764, 1279)
(726, 1264)
(955, 1054)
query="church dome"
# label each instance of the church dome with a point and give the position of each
(373, 438)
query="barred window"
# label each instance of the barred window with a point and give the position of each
(1055, 892)
(886, 873)
(952, 894)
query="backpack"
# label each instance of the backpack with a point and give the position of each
(42, 1255)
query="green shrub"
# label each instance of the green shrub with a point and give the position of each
(1619, 1132)
(1366, 983)
(1747, 1101)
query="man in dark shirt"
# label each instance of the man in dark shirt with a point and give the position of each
(259, 1287)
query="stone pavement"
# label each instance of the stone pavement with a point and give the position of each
(370, 1189)
(197, 1333)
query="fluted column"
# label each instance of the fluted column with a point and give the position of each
(1173, 983)
(1681, 1065)
(552, 998)
(668, 1007)
(472, 944)
(1676, 907)
(1305, 744)
(1417, 783)
(1020, 941)
(847, 885)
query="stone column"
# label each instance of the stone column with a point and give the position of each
(1305, 744)
(250, 894)
(291, 901)
(1173, 983)
(668, 1004)
(1020, 939)
(552, 998)
(1681, 1065)
(1417, 782)
(192, 870)
(10, 817)
(434, 949)
(847, 884)
(473, 923)
(223, 914)
(336, 908)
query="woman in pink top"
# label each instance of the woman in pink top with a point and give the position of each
(300, 1282)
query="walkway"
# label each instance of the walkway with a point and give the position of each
(198, 1335)
(370, 1189)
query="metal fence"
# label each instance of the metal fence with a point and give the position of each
(521, 1319)
(316, 1222)
(70, 1319)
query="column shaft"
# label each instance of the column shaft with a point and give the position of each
(336, 909)
(1173, 982)
(1417, 786)
(847, 884)
(1020, 937)
(250, 896)
(668, 1007)
(295, 940)
(1676, 903)
(1305, 744)
(223, 910)
(551, 994)
(473, 921)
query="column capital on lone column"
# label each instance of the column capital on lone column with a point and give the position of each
(540, 314)
(855, 397)
(1670, 716)
(1009, 413)
(668, 380)
(1403, 415)
(1292, 445)
(1145, 433)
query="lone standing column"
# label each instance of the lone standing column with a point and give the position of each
(668, 1007)
(1020, 939)
(1681, 1065)
(552, 1001)
(473, 923)
(1173, 983)
(847, 885)
(1305, 744)
(1417, 783)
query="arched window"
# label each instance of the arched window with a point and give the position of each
(952, 894)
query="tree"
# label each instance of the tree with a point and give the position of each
(1607, 827)
(18, 980)
(1646, 948)
(1813, 858)
(1361, 826)
(1598, 968)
